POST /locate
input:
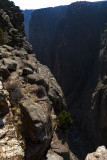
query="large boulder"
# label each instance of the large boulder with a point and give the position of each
(38, 129)
(4, 72)
(11, 64)
(59, 145)
(27, 71)
(53, 156)
(100, 154)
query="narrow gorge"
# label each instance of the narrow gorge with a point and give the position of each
(73, 45)
(38, 119)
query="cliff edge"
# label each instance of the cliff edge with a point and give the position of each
(30, 98)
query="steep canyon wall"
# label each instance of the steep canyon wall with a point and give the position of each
(76, 55)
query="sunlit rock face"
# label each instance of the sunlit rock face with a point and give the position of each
(101, 153)
(77, 58)
(42, 28)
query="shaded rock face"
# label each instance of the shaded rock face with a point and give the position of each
(42, 28)
(77, 58)
(27, 17)
(11, 26)
(76, 44)
(98, 106)
(30, 100)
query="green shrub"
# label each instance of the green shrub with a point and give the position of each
(64, 120)
(105, 31)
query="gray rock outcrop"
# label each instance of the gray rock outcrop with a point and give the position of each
(29, 95)
(100, 154)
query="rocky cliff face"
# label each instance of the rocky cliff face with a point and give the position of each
(27, 17)
(30, 98)
(42, 28)
(78, 61)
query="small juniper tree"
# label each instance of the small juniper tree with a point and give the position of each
(64, 120)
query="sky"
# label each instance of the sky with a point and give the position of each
(36, 4)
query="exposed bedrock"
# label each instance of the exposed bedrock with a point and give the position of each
(30, 97)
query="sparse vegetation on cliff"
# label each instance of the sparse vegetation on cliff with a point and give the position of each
(64, 120)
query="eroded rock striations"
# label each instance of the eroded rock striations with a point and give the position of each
(77, 58)
(30, 97)
(42, 28)
(27, 16)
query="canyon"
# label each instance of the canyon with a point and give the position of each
(43, 25)
(35, 113)
(74, 48)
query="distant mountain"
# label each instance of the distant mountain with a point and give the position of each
(27, 17)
